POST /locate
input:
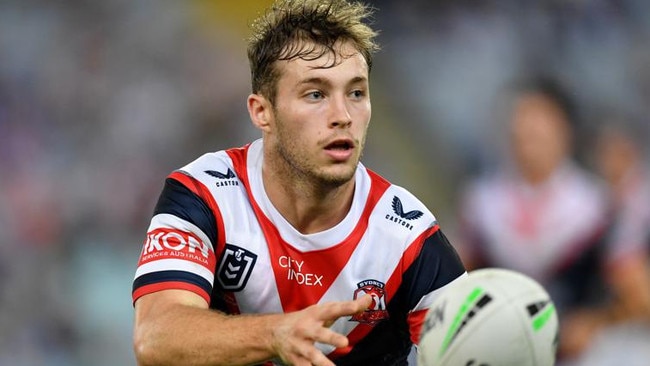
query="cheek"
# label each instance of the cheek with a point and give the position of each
(362, 112)
(295, 134)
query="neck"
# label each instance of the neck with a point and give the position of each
(309, 206)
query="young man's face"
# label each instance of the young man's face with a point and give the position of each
(321, 115)
(539, 135)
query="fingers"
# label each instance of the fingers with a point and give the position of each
(296, 339)
(363, 303)
(330, 312)
(328, 336)
(334, 310)
(303, 352)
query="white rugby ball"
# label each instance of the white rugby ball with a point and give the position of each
(491, 317)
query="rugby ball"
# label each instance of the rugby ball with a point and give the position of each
(490, 317)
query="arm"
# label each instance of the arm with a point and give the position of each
(630, 283)
(175, 327)
(173, 322)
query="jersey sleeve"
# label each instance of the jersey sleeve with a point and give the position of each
(436, 265)
(178, 251)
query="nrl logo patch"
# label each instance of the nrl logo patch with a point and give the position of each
(235, 267)
(376, 312)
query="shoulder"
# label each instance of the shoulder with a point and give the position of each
(219, 167)
(210, 165)
(397, 208)
(482, 193)
(583, 186)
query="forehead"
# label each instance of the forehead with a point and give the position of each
(343, 61)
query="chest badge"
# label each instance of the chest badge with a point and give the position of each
(376, 312)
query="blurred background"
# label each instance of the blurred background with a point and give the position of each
(99, 101)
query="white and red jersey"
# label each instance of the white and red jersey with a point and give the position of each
(552, 231)
(216, 233)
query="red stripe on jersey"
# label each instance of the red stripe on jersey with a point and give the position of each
(415, 320)
(408, 258)
(354, 337)
(395, 280)
(411, 253)
(302, 278)
(170, 285)
(203, 192)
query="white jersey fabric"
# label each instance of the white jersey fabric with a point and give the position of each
(552, 231)
(216, 233)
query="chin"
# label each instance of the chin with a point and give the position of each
(337, 178)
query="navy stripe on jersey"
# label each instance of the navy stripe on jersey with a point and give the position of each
(177, 276)
(178, 200)
(436, 265)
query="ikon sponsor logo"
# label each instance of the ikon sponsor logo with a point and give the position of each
(170, 243)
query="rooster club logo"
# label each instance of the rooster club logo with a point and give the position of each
(400, 216)
(224, 179)
(235, 268)
(376, 312)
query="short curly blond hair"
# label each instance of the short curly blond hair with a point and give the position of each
(305, 29)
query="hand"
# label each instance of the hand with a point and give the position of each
(294, 337)
(578, 330)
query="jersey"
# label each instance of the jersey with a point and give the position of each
(216, 233)
(553, 232)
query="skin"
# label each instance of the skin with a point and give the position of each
(539, 137)
(540, 142)
(629, 278)
(309, 180)
(313, 139)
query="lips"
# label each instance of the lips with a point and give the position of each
(340, 144)
(340, 149)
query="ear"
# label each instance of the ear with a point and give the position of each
(260, 111)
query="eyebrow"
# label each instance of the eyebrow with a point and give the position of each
(322, 81)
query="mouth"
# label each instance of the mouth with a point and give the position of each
(340, 150)
(340, 145)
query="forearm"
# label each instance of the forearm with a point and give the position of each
(630, 282)
(185, 335)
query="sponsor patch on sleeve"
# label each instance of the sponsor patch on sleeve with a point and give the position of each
(167, 243)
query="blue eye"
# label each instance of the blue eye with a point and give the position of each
(315, 95)
(358, 93)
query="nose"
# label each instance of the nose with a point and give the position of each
(339, 113)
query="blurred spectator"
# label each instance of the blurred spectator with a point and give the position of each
(541, 213)
(625, 333)
(621, 161)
